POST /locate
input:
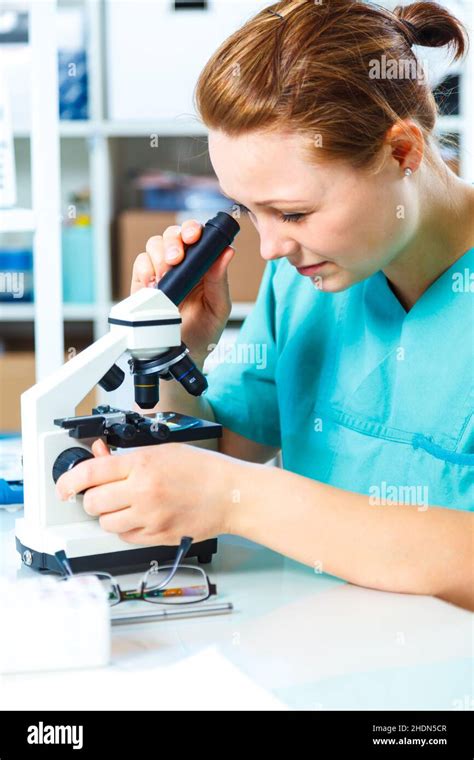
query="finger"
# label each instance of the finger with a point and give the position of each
(122, 521)
(155, 250)
(100, 448)
(93, 472)
(173, 245)
(107, 498)
(143, 272)
(134, 536)
(191, 230)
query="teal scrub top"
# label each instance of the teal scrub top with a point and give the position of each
(357, 392)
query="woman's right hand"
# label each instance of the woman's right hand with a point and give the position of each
(206, 309)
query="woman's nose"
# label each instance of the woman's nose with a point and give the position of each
(273, 246)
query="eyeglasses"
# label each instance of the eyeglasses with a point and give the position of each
(190, 583)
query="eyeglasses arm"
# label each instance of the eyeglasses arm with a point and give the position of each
(63, 562)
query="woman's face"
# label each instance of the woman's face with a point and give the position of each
(348, 221)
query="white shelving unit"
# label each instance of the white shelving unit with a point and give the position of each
(17, 220)
(99, 133)
(43, 219)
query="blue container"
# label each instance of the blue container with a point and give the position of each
(78, 265)
(73, 85)
(16, 275)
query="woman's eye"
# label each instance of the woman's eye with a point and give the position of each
(284, 217)
(292, 217)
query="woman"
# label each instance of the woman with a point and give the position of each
(364, 318)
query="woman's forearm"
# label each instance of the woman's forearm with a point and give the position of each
(398, 548)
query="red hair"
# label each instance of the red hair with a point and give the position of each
(304, 66)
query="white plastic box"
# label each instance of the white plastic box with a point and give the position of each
(49, 624)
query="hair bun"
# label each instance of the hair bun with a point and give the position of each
(431, 25)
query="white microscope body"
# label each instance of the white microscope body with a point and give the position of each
(50, 524)
(146, 326)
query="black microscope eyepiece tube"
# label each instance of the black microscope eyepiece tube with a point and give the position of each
(218, 233)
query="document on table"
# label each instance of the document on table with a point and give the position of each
(203, 681)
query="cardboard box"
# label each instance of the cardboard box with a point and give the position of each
(17, 374)
(136, 226)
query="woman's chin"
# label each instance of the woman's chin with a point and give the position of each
(336, 281)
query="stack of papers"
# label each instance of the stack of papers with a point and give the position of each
(204, 681)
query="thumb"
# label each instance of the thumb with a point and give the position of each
(100, 448)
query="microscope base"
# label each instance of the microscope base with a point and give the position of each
(37, 546)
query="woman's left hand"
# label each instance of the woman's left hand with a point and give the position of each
(155, 494)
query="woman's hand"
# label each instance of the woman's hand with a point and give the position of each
(155, 494)
(206, 309)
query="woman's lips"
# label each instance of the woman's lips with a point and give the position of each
(312, 270)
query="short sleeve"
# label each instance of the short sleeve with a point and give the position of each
(242, 390)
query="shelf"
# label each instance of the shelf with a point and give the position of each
(450, 124)
(163, 128)
(170, 127)
(105, 128)
(24, 312)
(84, 312)
(17, 220)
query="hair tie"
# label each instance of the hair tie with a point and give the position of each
(411, 28)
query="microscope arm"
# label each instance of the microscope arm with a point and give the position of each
(64, 389)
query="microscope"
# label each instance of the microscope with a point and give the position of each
(146, 326)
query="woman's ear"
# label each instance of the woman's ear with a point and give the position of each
(407, 144)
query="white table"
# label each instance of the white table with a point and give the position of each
(313, 641)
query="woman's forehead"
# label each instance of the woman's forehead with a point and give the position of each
(274, 162)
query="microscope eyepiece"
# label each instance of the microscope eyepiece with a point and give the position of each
(217, 234)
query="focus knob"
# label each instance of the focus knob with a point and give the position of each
(68, 459)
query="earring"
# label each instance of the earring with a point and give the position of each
(408, 172)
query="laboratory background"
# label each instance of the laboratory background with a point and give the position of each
(119, 158)
(94, 160)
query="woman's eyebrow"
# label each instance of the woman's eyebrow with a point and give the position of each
(266, 202)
